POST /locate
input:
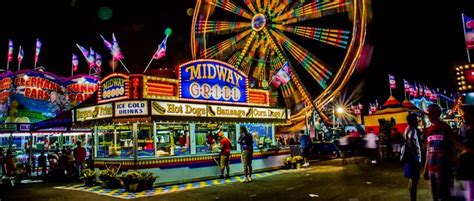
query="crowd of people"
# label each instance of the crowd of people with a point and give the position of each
(437, 153)
(60, 164)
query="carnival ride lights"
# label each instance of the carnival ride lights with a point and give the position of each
(258, 37)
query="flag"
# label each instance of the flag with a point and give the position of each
(84, 51)
(420, 91)
(415, 91)
(20, 55)
(434, 95)
(116, 49)
(427, 92)
(91, 59)
(10, 51)
(406, 86)
(111, 49)
(391, 81)
(38, 49)
(161, 52)
(468, 31)
(282, 77)
(98, 62)
(75, 62)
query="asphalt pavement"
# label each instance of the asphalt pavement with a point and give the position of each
(326, 180)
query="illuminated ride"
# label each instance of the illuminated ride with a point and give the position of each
(320, 40)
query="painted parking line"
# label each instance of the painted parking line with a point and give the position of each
(121, 193)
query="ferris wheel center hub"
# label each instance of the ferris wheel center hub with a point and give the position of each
(258, 22)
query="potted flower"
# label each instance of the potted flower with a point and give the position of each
(287, 162)
(296, 161)
(89, 176)
(147, 180)
(131, 180)
(109, 178)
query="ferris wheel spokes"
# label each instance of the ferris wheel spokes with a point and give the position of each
(311, 11)
(220, 27)
(229, 6)
(335, 37)
(309, 62)
(224, 46)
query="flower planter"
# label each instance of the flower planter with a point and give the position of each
(133, 187)
(89, 182)
(105, 184)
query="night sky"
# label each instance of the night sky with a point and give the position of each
(417, 40)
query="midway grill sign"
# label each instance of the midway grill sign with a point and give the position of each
(113, 87)
(211, 80)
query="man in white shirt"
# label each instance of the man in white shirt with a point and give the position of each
(371, 145)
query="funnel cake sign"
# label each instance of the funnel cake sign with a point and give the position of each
(212, 80)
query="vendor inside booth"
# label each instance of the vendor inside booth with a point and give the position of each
(169, 126)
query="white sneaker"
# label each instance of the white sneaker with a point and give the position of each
(305, 165)
(249, 178)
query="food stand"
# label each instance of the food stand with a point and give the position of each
(167, 122)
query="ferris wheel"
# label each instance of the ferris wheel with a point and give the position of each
(320, 40)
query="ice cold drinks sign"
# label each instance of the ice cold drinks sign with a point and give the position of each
(131, 108)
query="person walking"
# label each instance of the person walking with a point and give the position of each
(80, 154)
(397, 140)
(465, 170)
(224, 161)
(2, 162)
(371, 145)
(304, 146)
(439, 156)
(343, 146)
(42, 163)
(411, 155)
(246, 145)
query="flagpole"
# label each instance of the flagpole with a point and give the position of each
(390, 89)
(151, 60)
(113, 65)
(464, 28)
(124, 66)
(149, 63)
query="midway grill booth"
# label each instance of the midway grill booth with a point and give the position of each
(167, 123)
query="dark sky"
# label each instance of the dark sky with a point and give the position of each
(417, 40)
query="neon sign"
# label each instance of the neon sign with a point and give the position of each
(131, 108)
(163, 108)
(6, 82)
(30, 96)
(80, 88)
(94, 112)
(113, 87)
(212, 80)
